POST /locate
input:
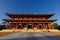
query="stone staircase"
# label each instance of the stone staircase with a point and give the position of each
(28, 30)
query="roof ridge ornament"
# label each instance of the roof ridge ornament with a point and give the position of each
(35, 13)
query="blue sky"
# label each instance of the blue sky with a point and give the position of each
(30, 6)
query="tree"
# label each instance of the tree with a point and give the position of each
(59, 27)
(56, 25)
(2, 27)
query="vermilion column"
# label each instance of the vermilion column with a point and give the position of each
(16, 26)
(52, 26)
(48, 26)
(43, 26)
(38, 25)
(27, 25)
(21, 25)
(32, 25)
(10, 25)
(7, 26)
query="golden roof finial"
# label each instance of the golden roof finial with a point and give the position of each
(35, 13)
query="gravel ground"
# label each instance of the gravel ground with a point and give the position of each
(30, 36)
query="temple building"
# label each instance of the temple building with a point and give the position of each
(29, 21)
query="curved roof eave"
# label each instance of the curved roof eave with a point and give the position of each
(17, 15)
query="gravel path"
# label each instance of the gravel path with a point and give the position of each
(30, 36)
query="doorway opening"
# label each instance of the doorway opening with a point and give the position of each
(24, 25)
(19, 26)
(29, 26)
(40, 26)
(14, 25)
(35, 25)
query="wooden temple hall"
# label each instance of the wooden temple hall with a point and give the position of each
(29, 21)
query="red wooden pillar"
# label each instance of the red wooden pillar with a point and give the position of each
(48, 26)
(10, 25)
(16, 26)
(7, 26)
(43, 26)
(21, 25)
(32, 25)
(52, 26)
(27, 25)
(38, 26)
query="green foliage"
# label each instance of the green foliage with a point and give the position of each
(59, 27)
(2, 27)
(56, 26)
(35, 25)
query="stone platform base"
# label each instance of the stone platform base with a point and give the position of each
(30, 30)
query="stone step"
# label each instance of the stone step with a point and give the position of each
(29, 30)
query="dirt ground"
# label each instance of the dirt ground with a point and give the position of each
(4, 33)
(55, 33)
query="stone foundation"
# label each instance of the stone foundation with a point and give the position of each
(30, 30)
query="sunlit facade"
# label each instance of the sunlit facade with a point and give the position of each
(29, 21)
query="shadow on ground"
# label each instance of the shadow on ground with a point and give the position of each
(36, 38)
